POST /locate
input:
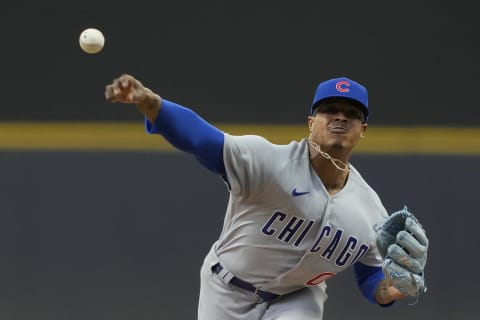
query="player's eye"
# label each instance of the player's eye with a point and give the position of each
(353, 114)
(329, 109)
(350, 113)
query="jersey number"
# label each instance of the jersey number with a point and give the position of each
(320, 278)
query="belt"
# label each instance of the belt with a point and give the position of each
(264, 295)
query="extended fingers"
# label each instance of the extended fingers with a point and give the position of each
(411, 244)
(414, 227)
(402, 258)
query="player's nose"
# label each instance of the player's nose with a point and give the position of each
(340, 116)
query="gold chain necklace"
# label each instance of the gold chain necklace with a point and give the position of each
(340, 165)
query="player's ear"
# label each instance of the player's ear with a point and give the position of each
(310, 123)
(364, 129)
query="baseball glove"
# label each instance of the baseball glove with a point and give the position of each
(403, 244)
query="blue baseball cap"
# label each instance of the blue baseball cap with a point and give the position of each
(342, 88)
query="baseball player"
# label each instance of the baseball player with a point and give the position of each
(297, 215)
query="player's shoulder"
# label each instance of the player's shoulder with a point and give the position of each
(245, 139)
(260, 144)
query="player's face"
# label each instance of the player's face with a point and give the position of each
(337, 124)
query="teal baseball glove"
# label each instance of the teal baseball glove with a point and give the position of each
(403, 244)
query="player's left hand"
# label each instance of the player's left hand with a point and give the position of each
(403, 243)
(407, 282)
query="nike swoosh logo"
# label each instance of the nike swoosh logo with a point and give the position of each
(295, 193)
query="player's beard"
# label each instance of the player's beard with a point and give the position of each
(338, 147)
(335, 143)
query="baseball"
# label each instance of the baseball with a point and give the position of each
(91, 40)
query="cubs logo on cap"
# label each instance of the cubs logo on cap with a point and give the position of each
(342, 88)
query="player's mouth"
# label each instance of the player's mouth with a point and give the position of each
(338, 129)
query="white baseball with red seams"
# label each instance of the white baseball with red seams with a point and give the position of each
(91, 40)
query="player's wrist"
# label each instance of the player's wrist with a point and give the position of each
(150, 105)
(387, 293)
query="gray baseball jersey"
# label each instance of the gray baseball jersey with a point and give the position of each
(283, 231)
(282, 228)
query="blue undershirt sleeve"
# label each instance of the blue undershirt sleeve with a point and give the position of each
(367, 280)
(187, 131)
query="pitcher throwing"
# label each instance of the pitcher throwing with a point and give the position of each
(297, 215)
